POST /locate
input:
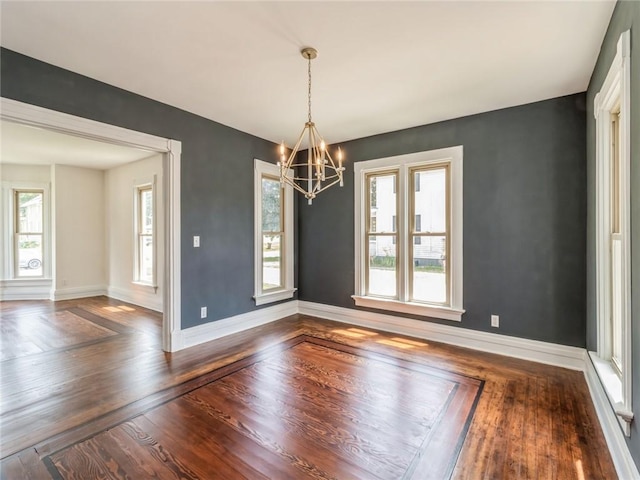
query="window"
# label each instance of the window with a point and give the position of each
(409, 233)
(25, 241)
(273, 235)
(28, 238)
(145, 244)
(612, 109)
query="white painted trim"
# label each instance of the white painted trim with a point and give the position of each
(612, 385)
(172, 304)
(137, 295)
(25, 289)
(533, 350)
(261, 169)
(274, 296)
(238, 323)
(454, 157)
(615, 89)
(25, 113)
(622, 459)
(78, 292)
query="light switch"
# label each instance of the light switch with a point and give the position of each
(196, 241)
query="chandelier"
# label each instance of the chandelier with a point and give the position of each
(319, 172)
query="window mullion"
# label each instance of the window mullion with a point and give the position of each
(403, 236)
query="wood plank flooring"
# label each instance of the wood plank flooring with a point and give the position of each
(358, 403)
(309, 408)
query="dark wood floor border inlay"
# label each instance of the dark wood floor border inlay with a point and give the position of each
(434, 458)
(89, 429)
(103, 322)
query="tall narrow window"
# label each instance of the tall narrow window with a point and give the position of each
(29, 230)
(429, 279)
(274, 236)
(616, 244)
(409, 231)
(381, 271)
(145, 241)
(612, 110)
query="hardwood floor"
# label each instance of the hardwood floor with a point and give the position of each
(85, 381)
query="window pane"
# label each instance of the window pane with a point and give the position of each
(429, 270)
(271, 205)
(30, 255)
(146, 258)
(382, 203)
(382, 271)
(431, 200)
(271, 261)
(29, 212)
(146, 211)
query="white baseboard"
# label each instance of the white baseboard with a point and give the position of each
(227, 326)
(78, 292)
(25, 289)
(138, 295)
(613, 434)
(536, 351)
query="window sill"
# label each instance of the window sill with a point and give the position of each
(445, 313)
(146, 286)
(612, 385)
(26, 281)
(274, 296)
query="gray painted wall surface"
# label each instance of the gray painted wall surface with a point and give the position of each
(216, 177)
(524, 219)
(625, 16)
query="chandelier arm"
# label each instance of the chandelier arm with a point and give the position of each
(327, 186)
(295, 149)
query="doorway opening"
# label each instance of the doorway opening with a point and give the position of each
(158, 268)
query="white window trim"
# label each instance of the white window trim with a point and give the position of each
(260, 169)
(8, 266)
(137, 185)
(452, 155)
(616, 88)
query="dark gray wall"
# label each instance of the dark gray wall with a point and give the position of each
(216, 177)
(625, 16)
(524, 219)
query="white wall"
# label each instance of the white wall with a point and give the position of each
(10, 172)
(119, 195)
(79, 231)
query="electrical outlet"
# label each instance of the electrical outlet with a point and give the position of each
(203, 312)
(196, 241)
(495, 321)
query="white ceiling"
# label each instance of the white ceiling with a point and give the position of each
(382, 66)
(23, 144)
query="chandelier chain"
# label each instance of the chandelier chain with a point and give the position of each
(309, 92)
